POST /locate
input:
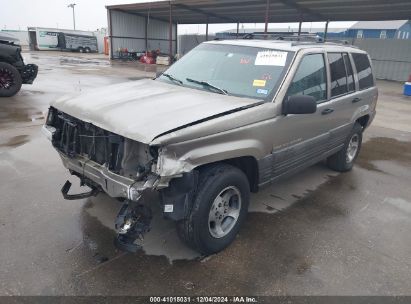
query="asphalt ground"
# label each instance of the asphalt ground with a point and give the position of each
(317, 233)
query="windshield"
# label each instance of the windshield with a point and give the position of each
(233, 70)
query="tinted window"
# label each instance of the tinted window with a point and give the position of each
(310, 78)
(364, 72)
(350, 74)
(338, 74)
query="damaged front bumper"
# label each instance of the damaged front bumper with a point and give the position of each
(114, 185)
(133, 219)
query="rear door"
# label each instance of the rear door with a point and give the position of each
(343, 98)
(366, 89)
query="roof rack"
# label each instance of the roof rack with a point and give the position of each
(295, 38)
(288, 36)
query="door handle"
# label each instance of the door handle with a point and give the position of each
(327, 111)
(357, 99)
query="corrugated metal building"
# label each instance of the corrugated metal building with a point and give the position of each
(139, 33)
(394, 29)
(391, 58)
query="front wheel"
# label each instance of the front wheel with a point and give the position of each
(10, 80)
(220, 207)
(343, 160)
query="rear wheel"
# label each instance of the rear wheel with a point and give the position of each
(220, 207)
(81, 50)
(87, 50)
(10, 80)
(344, 160)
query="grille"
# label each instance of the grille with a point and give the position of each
(75, 137)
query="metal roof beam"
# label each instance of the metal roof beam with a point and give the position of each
(303, 10)
(205, 13)
(141, 15)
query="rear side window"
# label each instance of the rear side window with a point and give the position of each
(350, 74)
(362, 63)
(310, 78)
(338, 74)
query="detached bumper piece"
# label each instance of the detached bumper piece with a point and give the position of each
(29, 73)
(132, 222)
(66, 188)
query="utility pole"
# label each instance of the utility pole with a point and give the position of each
(74, 18)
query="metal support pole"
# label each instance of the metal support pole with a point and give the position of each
(238, 29)
(326, 30)
(207, 30)
(146, 34)
(110, 33)
(267, 8)
(74, 17)
(170, 32)
(299, 28)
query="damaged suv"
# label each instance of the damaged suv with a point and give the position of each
(226, 119)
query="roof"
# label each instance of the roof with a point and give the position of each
(253, 11)
(284, 30)
(379, 25)
(286, 45)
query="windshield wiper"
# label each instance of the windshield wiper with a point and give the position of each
(205, 83)
(171, 77)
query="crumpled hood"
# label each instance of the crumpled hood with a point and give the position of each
(142, 110)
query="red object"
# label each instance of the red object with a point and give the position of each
(106, 46)
(409, 78)
(148, 58)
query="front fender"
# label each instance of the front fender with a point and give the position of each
(181, 158)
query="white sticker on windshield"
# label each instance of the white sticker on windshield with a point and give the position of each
(271, 58)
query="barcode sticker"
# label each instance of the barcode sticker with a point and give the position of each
(271, 58)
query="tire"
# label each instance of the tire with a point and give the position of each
(87, 50)
(219, 182)
(10, 80)
(343, 160)
(81, 50)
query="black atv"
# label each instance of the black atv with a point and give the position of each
(13, 71)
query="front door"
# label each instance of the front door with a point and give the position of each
(300, 140)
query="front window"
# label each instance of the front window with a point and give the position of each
(233, 70)
(310, 78)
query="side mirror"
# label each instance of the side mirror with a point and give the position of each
(300, 104)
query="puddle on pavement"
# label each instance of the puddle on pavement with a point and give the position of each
(97, 239)
(11, 114)
(83, 61)
(162, 240)
(383, 148)
(281, 195)
(15, 141)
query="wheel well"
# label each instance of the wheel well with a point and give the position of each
(363, 121)
(249, 166)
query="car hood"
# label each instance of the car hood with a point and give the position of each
(145, 109)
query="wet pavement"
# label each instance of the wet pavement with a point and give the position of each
(317, 233)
